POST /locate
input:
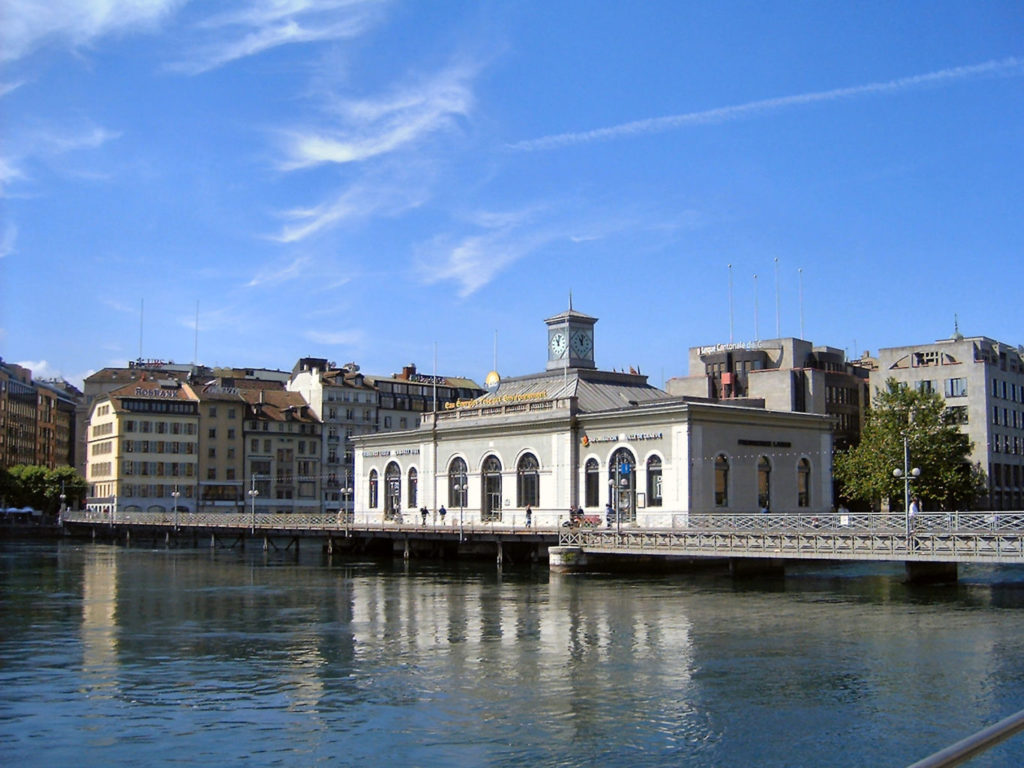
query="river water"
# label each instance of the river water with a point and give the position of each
(186, 657)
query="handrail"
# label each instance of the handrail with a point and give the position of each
(975, 744)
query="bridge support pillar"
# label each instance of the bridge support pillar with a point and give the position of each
(743, 567)
(500, 553)
(566, 559)
(931, 573)
(405, 550)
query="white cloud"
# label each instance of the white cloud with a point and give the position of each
(297, 268)
(7, 241)
(28, 24)
(257, 27)
(373, 127)
(1009, 66)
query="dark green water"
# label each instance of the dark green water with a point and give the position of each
(112, 656)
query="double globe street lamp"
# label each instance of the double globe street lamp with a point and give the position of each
(907, 474)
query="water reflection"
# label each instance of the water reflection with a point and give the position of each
(276, 660)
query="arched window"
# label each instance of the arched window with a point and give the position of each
(803, 483)
(411, 494)
(457, 483)
(654, 482)
(764, 484)
(528, 481)
(490, 509)
(373, 489)
(721, 481)
(622, 484)
(592, 484)
(392, 490)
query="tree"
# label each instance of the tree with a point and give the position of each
(935, 445)
(40, 488)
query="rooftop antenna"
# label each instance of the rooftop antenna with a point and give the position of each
(778, 315)
(800, 274)
(570, 299)
(435, 380)
(142, 313)
(495, 368)
(730, 304)
(195, 348)
(757, 337)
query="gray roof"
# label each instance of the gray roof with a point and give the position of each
(595, 391)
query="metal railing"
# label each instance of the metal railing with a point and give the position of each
(975, 744)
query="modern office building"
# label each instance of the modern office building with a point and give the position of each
(982, 381)
(785, 374)
(574, 436)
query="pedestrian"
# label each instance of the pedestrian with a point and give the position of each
(423, 514)
(442, 512)
(609, 514)
(529, 516)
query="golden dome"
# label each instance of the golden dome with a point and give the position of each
(492, 379)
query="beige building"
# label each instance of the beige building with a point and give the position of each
(143, 448)
(283, 438)
(982, 381)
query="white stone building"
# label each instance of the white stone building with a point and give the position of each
(574, 436)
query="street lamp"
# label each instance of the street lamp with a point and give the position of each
(253, 493)
(459, 490)
(907, 474)
(345, 493)
(174, 495)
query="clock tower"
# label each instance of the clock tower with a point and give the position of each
(570, 340)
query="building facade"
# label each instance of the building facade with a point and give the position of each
(577, 437)
(143, 448)
(982, 382)
(37, 424)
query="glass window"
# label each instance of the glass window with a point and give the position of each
(592, 484)
(491, 509)
(764, 484)
(654, 481)
(413, 479)
(803, 483)
(457, 495)
(393, 489)
(721, 481)
(528, 481)
(956, 387)
(373, 489)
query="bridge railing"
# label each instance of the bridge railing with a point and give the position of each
(924, 523)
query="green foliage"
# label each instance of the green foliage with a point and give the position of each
(936, 446)
(33, 486)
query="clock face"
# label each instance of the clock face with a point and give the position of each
(558, 344)
(581, 344)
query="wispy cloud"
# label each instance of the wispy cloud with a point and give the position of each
(29, 24)
(281, 274)
(475, 260)
(337, 338)
(10, 235)
(258, 27)
(372, 127)
(359, 201)
(1011, 66)
(42, 146)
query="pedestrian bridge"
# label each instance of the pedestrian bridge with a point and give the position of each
(939, 540)
(953, 537)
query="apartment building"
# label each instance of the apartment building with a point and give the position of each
(283, 455)
(37, 424)
(982, 382)
(143, 448)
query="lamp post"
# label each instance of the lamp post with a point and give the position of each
(174, 495)
(345, 493)
(907, 474)
(253, 493)
(460, 489)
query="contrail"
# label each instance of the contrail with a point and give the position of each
(1010, 66)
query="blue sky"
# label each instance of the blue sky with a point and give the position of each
(371, 181)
